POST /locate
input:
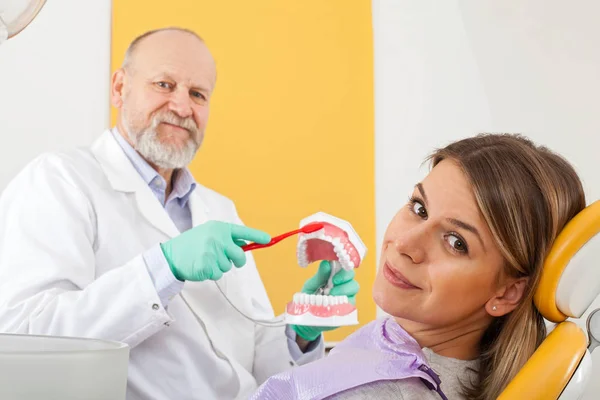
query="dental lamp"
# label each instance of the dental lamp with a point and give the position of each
(16, 15)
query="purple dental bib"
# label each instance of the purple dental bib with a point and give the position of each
(381, 350)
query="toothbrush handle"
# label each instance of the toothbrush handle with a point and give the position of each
(275, 240)
(335, 267)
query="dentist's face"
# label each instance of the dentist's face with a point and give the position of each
(439, 262)
(164, 97)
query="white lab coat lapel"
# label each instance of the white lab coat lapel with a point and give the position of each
(123, 177)
(198, 208)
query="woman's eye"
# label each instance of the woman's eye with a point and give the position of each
(457, 243)
(419, 209)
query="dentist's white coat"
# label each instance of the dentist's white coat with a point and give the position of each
(73, 227)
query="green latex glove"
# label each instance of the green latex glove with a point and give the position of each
(343, 284)
(207, 251)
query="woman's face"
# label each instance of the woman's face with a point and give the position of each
(439, 263)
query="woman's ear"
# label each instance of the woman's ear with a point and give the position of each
(507, 297)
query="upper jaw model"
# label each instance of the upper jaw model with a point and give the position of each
(338, 243)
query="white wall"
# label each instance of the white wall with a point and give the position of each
(449, 69)
(54, 79)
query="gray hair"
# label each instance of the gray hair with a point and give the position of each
(134, 44)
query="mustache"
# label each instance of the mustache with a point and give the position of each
(174, 119)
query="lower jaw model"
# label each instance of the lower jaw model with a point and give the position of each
(339, 244)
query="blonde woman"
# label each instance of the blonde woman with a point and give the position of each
(459, 266)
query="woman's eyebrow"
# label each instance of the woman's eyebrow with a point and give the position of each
(467, 227)
(422, 191)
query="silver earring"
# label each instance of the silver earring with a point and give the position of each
(494, 308)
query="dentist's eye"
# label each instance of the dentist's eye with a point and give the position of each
(164, 85)
(198, 95)
(457, 243)
(417, 207)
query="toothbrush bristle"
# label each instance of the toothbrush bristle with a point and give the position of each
(310, 228)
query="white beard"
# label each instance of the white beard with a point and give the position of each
(148, 144)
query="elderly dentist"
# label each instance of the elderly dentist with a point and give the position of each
(119, 242)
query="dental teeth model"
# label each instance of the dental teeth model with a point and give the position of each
(338, 243)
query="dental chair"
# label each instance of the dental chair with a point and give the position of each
(561, 367)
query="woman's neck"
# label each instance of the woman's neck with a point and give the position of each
(460, 341)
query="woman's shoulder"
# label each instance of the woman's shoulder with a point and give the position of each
(453, 373)
(405, 389)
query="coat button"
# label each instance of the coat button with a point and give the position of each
(155, 306)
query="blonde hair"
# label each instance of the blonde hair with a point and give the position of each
(527, 194)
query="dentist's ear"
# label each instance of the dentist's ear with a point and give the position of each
(116, 88)
(507, 297)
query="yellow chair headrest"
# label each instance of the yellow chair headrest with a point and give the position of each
(551, 367)
(570, 279)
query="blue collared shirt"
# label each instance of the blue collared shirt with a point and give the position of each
(179, 211)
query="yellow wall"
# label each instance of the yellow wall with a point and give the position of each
(291, 130)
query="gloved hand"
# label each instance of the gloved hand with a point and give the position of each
(207, 251)
(343, 284)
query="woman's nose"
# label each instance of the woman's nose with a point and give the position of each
(411, 243)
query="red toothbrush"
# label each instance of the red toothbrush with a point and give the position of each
(308, 228)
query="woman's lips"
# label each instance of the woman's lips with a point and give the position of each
(396, 278)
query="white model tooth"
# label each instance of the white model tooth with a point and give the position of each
(351, 264)
(296, 298)
(334, 300)
(305, 298)
(345, 298)
(319, 300)
(302, 258)
(341, 254)
(313, 299)
(328, 238)
(336, 241)
(325, 301)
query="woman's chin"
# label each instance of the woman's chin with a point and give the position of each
(394, 302)
(385, 302)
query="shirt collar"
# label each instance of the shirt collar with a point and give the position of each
(184, 186)
(184, 183)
